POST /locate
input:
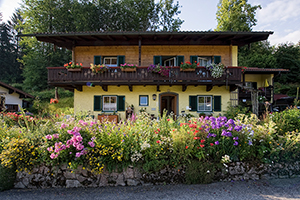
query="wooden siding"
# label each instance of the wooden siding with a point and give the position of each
(85, 55)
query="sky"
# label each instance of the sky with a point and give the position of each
(280, 16)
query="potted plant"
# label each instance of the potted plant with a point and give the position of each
(188, 66)
(128, 67)
(162, 70)
(216, 70)
(99, 68)
(73, 67)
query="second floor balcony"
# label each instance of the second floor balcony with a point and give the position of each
(60, 76)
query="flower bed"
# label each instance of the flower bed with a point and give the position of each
(149, 145)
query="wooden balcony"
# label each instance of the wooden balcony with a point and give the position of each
(61, 77)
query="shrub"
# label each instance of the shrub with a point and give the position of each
(287, 120)
(200, 172)
(7, 178)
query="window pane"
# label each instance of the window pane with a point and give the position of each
(114, 61)
(106, 99)
(200, 99)
(113, 99)
(143, 100)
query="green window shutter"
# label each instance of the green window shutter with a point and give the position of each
(193, 103)
(179, 60)
(121, 60)
(97, 60)
(121, 103)
(217, 103)
(157, 60)
(217, 59)
(193, 59)
(97, 103)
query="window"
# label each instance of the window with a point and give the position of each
(204, 103)
(110, 61)
(168, 60)
(143, 100)
(204, 60)
(109, 103)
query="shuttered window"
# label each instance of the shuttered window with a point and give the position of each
(217, 103)
(217, 59)
(121, 60)
(97, 103)
(121, 103)
(97, 60)
(193, 103)
(179, 60)
(157, 60)
(193, 59)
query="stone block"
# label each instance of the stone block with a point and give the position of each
(128, 173)
(73, 184)
(132, 182)
(19, 185)
(69, 175)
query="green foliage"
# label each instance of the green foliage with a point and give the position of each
(287, 120)
(233, 111)
(7, 178)
(236, 15)
(288, 57)
(200, 172)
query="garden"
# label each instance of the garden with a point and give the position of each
(201, 146)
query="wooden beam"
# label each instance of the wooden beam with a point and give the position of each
(110, 38)
(184, 88)
(209, 87)
(104, 88)
(140, 51)
(157, 88)
(125, 38)
(95, 37)
(232, 88)
(78, 87)
(130, 88)
(10, 91)
(170, 38)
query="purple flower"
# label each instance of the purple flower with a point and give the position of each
(63, 125)
(50, 149)
(56, 135)
(235, 143)
(78, 154)
(250, 142)
(238, 128)
(92, 144)
(226, 134)
(217, 142)
(235, 138)
(230, 128)
(52, 156)
(79, 138)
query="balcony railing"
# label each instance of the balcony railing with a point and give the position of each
(114, 76)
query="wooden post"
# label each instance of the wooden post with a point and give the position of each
(140, 50)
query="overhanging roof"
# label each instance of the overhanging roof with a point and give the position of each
(70, 39)
(13, 89)
(256, 70)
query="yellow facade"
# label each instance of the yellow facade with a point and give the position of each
(83, 101)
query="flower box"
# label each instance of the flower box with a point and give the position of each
(128, 69)
(187, 70)
(110, 118)
(74, 69)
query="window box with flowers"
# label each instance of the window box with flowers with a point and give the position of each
(188, 66)
(216, 70)
(162, 70)
(128, 67)
(99, 68)
(73, 67)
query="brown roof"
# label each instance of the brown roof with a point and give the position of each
(102, 38)
(254, 70)
(13, 89)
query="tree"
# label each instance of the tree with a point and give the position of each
(236, 15)
(261, 55)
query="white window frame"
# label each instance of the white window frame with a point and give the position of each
(207, 59)
(205, 102)
(110, 106)
(170, 59)
(110, 59)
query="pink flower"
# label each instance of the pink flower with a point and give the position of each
(63, 125)
(79, 147)
(50, 149)
(79, 138)
(78, 154)
(56, 135)
(52, 156)
(48, 137)
(92, 144)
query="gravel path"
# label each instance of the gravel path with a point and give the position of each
(262, 189)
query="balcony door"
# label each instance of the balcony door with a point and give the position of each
(168, 102)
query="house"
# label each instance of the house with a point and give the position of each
(12, 99)
(179, 91)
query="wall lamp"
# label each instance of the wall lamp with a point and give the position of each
(154, 97)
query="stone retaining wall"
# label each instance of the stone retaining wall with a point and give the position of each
(45, 177)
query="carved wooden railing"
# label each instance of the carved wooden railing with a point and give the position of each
(201, 75)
